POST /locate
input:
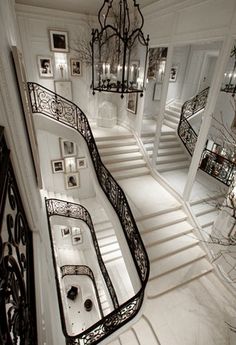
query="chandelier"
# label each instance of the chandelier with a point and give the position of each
(229, 82)
(119, 49)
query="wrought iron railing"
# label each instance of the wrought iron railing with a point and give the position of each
(82, 270)
(55, 207)
(212, 163)
(17, 292)
(60, 109)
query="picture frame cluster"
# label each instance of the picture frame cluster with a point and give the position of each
(58, 43)
(69, 164)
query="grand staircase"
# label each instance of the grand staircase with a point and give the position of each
(174, 252)
(171, 155)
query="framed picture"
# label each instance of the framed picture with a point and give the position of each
(68, 148)
(58, 166)
(72, 180)
(76, 236)
(63, 88)
(75, 67)
(132, 102)
(81, 163)
(65, 231)
(70, 164)
(59, 41)
(45, 66)
(173, 73)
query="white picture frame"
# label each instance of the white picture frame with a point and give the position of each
(63, 88)
(132, 102)
(65, 231)
(68, 148)
(173, 73)
(81, 163)
(58, 166)
(45, 66)
(75, 67)
(76, 236)
(72, 180)
(59, 41)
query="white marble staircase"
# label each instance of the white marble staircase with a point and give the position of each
(172, 247)
(122, 156)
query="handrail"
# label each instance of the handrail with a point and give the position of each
(58, 108)
(212, 163)
(56, 207)
(82, 270)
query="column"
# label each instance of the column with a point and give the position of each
(164, 91)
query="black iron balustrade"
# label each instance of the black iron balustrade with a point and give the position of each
(50, 104)
(17, 292)
(195, 104)
(212, 163)
(55, 207)
(218, 166)
(82, 270)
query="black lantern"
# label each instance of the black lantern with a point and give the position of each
(229, 82)
(119, 49)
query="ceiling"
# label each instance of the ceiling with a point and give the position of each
(80, 6)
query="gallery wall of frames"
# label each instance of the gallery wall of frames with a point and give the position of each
(64, 165)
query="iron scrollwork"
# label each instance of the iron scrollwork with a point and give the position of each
(17, 304)
(45, 102)
(212, 163)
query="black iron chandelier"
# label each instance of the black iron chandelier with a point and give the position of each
(229, 82)
(119, 49)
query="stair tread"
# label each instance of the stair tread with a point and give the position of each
(128, 338)
(169, 124)
(144, 331)
(178, 277)
(109, 248)
(171, 118)
(162, 220)
(112, 256)
(107, 240)
(207, 218)
(172, 158)
(200, 209)
(173, 166)
(115, 142)
(167, 151)
(126, 165)
(118, 150)
(174, 261)
(167, 233)
(122, 157)
(123, 174)
(170, 247)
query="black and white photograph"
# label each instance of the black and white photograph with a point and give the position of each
(65, 231)
(75, 67)
(59, 41)
(81, 163)
(45, 66)
(132, 103)
(72, 180)
(58, 166)
(173, 73)
(68, 148)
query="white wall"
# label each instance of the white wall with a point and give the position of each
(34, 24)
(180, 59)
